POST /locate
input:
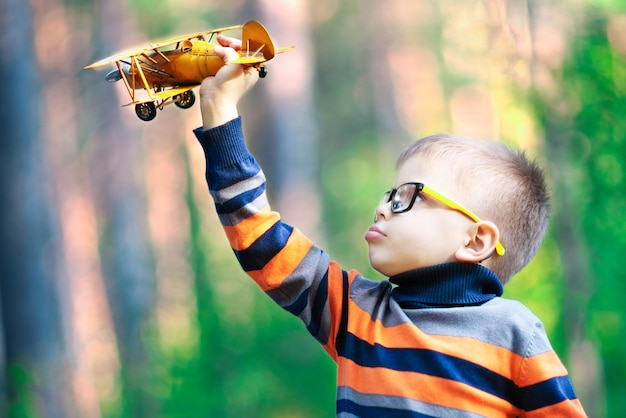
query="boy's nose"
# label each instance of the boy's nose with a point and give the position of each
(382, 211)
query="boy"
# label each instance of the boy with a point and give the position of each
(435, 339)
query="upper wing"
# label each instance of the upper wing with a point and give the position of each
(156, 45)
(161, 44)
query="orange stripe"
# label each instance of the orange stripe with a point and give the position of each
(421, 387)
(541, 367)
(242, 235)
(495, 358)
(284, 263)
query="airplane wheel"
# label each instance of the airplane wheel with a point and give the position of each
(187, 99)
(146, 111)
(263, 71)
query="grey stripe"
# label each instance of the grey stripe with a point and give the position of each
(236, 189)
(502, 322)
(241, 214)
(251, 208)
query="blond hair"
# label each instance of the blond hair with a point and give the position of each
(500, 185)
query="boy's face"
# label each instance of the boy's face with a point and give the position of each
(429, 233)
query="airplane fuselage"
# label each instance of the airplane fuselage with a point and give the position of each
(186, 65)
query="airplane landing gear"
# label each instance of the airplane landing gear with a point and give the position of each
(146, 111)
(185, 100)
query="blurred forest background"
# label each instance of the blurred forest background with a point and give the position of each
(119, 295)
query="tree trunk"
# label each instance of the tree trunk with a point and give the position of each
(34, 363)
(118, 193)
(293, 164)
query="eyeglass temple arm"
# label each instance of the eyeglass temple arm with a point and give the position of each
(453, 205)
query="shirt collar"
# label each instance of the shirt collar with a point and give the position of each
(446, 285)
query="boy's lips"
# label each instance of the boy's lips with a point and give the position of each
(374, 233)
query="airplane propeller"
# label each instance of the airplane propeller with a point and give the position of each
(113, 76)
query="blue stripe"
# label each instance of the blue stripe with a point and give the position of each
(432, 363)
(342, 331)
(239, 201)
(299, 304)
(265, 248)
(348, 406)
(548, 392)
(317, 310)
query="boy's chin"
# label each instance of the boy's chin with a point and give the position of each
(381, 269)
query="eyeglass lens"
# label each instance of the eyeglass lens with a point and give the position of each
(401, 198)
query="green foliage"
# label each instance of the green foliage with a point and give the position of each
(23, 403)
(539, 286)
(592, 147)
(163, 19)
(611, 6)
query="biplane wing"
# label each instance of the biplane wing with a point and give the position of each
(153, 46)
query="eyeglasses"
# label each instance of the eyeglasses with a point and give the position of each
(403, 198)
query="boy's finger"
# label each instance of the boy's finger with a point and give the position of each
(229, 42)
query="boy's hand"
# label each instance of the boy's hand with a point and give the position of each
(220, 94)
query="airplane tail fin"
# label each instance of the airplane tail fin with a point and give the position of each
(256, 42)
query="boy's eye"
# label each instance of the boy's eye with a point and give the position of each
(403, 199)
(396, 204)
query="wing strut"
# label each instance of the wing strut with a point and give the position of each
(131, 92)
(143, 77)
(135, 68)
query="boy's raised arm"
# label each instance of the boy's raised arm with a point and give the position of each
(285, 264)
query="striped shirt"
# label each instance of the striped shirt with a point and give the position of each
(437, 342)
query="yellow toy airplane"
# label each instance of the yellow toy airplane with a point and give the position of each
(170, 69)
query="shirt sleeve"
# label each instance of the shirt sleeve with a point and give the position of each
(544, 384)
(284, 263)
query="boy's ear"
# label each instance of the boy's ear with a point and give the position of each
(480, 244)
